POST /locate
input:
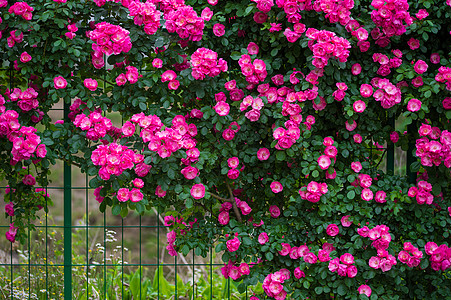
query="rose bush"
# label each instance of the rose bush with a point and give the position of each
(260, 121)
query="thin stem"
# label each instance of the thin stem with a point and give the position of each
(235, 208)
(220, 198)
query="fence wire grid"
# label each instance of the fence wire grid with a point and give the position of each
(76, 252)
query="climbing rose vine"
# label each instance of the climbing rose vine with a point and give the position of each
(259, 127)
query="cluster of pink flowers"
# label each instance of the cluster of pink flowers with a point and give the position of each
(131, 76)
(172, 235)
(114, 159)
(314, 191)
(166, 141)
(264, 5)
(390, 16)
(235, 272)
(254, 71)
(170, 76)
(26, 100)
(222, 108)
(387, 63)
(381, 240)
(292, 8)
(134, 194)
(108, 39)
(340, 94)
(410, 255)
(330, 152)
(434, 146)
(344, 265)
(440, 256)
(22, 9)
(229, 133)
(293, 35)
(287, 137)
(273, 284)
(72, 29)
(336, 10)
(422, 192)
(205, 63)
(325, 44)
(95, 124)
(444, 75)
(233, 164)
(13, 38)
(102, 2)
(26, 144)
(185, 21)
(256, 103)
(11, 233)
(145, 13)
(387, 93)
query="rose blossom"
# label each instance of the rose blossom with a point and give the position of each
(276, 187)
(218, 30)
(263, 154)
(263, 238)
(332, 230)
(364, 289)
(274, 211)
(59, 82)
(198, 191)
(359, 106)
(233, 244)
(414, 105)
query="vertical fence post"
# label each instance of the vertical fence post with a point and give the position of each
(67, 223)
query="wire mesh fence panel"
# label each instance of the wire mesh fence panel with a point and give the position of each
(77, 252)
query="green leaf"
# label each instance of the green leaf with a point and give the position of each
(116, 210)
(280, 155)
(247, 241)
(436, 189)
(269, 256)
(350, 195)
(171, 173)
(341, 290)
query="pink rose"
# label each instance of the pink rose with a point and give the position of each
(420, 66)
(59, 82)
(263, 238)
(359, 106)
(414, 105)
(218, 30)
(123, 194)
(274, 211)
(198, 191)
(332, 230)
(276, 187)
(90, 84)
(345, 221)
(233, 244)
(25, 57)
(223, 217)
(364, 289)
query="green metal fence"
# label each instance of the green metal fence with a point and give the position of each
(78, 253)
